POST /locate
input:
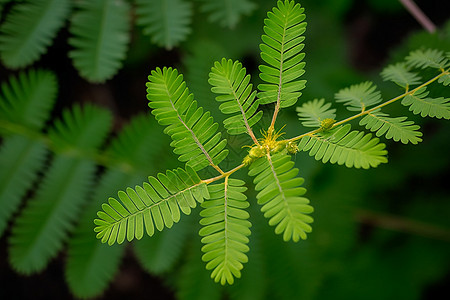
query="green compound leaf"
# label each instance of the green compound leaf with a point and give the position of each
(156, 204)
(28, 98)
(312, 113)
(100, 35)
(45, 223)
(29, 29)
(225, 230)
(430, 58)
(400, 74)
(20, 160)
(279, 193)
(354, 149)
(281, 50)
(230, 81)
(227, 12)
(419, 103)
(160, 253)
(91, 265)
(193, 132)
(445, 79)
(166, 21)
(397, 129)
(359, 97)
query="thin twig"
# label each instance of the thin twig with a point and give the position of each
(402, 224)
(418, 14)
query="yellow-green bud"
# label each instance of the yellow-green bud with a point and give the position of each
(256, 152)
(327, 123)
(292, 148)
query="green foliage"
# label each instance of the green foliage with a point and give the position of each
(29, 29)
(100, 30)
(228, 12)
(342, 147)
(281, 50)
(194, 137)
(279, 193)
(26, 101)
(420, 103)
(359, 96)
(193, 132)
(225, 230)
(100, 34)
(20, 160)
(73, 188)
(400, 74)
(230, 81)
(430, 58)
(41, 228)
(160, 254)
(92, 265)
(397, 129)
(167, 21)
(155, 204)
(312, 113)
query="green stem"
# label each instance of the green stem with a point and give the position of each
(365, 112)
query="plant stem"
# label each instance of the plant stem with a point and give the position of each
(392, 222)
(225, 174)
(365, 112)
(418, 14)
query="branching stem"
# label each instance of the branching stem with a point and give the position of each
(368, 111)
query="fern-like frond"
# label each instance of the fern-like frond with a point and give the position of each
(166, 21)
(26, 101)
(139, 145)
(279, 193)
(100, 36)
(42, 227)
(159, 253)
(225, 230)
(420, 103)
(354, 149)
(445, 79)
(194, 282)
(397, 129)
(400, 74)
(81, 128)
(429, 58)
(227, 12)
(28, 98)
(201, 56)
(312, 113)
(230, 81)
(20, 161)
(91, 265)
(359, 97)
(281, 50)
(156, 204)
(193, 132)
(29, 29)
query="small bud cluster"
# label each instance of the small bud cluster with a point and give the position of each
(327, 123)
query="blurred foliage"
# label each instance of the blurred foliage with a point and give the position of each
(378, 234)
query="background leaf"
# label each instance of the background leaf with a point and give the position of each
(42, 227)
(228, 12)
(166, 21)
(100, 36)
(312, 113)
(29, 29)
